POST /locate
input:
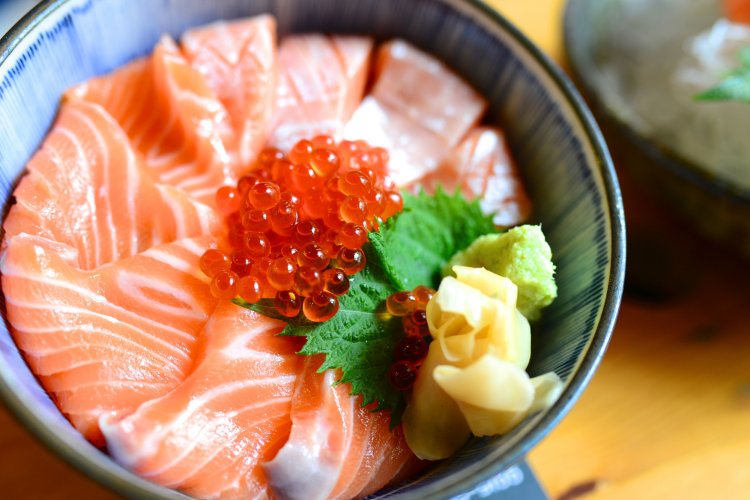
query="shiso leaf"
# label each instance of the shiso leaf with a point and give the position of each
(409, 250)
(735, 86)
(414, 245)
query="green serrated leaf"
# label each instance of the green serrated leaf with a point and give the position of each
(416, 244)
(409, 250)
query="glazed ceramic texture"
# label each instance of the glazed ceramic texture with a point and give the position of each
(563, 158)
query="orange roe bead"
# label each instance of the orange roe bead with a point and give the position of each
(264, 195)
(256, 245)
(301, 152)
(212, 261)
(394, 203)
(336, 281)
(304, 177)
(242, 264)
(263, 174)
(386, 183)
(351, 261)
(284, 217)
(290, 251)
(375, 202)
(370, 174)
(236, 235)
(306, 231)
(332, 188)
(260, 271)
(415, 324)
(250, 289)
(323, 142)
(412, 349)
(354, 209)
(325, 162)
(291, 198)
(281, 274)
(227, 200)
(282, 171)
(268, 157)
(233, 219)
(403, 375)
(401, 303)
(257, 221)
(330, 242)
(287, 303)
(382, 154)
(316, 202)
(348, 147)
(308, 280)
(332, 217)
(246, 182)
(352, 235)
(423, 294)
(354, 183)
(313, 255)
(320, 306)
(224, 285)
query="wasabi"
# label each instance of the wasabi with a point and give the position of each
(522, 255)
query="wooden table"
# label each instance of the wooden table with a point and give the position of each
(667, 415)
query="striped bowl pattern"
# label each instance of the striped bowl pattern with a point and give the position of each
(564, 161)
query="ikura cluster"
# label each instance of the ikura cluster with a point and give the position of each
(292, 216)
(410, 351)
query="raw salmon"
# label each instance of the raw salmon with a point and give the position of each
(108, 340)
(482, 166)
(336, 447)
(238, 61)
(87, 188)
(172, 117)
(418, 109)
(207, 436)
(321, 82)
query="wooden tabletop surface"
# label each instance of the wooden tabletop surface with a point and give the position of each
(667, 415)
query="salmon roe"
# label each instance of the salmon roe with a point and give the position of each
(411, 351)
(293, 216)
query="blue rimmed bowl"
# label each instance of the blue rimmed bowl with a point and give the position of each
(559, 148)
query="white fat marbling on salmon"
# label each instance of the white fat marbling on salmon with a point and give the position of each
(87, 189)
(321, 82)
(207, 436)
(104, 341)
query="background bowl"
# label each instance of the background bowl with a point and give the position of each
(717, 206)
(555, 141)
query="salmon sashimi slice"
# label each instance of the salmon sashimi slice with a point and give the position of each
(483, 167)
(207, 436)
(336, 446)
(88, 189)
(172, 117)
(108, 340)
(239, 62)
(426, 91)
(418, 109)
(321, 83)
(414, 150)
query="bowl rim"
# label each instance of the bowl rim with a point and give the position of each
(576, 384)
(680, 166)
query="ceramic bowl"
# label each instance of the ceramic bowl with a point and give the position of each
(717, 206)
(555, 141)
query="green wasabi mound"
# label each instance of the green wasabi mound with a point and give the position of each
(521, 255)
